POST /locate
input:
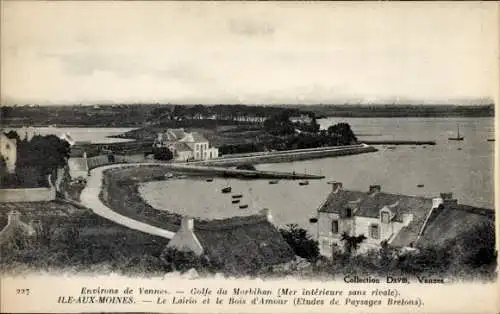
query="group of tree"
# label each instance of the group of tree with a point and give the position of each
(336, 135)
(36, 159)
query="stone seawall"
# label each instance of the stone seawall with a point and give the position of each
(288, 156)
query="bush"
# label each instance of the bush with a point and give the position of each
(162, 153)
(176, 260)
(301, 242)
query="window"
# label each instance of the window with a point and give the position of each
(335, 226)
(385, 217)
(346, 212)
(325, 243)
(374, 231)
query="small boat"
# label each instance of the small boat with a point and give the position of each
(236, 201)
(169, 175)
(182, 177)
(304, 182)
(420, 185)
(391, 147)
(226, 190)
(237, 196)
(458, 137)
(273, 181)
(210, 179)
(313, 220)
(243, 206)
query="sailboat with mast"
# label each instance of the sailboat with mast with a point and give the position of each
(458, 137)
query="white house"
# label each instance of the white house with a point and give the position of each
(27, 133)
(8, 150)
(186, 145)
(376, 215)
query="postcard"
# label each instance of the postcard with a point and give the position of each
(248, 157)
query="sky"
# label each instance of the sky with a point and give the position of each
(260, 52)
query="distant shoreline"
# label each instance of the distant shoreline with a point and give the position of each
(137, 115)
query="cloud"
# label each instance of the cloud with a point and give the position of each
(250, 28)
(88, 63)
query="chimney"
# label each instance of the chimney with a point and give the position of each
(436, 202)
(448, 199)
(374, 189)
(267, 212)
(336, 186)
(187, 223)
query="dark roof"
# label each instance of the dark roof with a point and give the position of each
(175, 134)
(181, 146)
(452, 221)
(243, 244)
(366, 205)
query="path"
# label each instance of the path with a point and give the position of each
(90, 198)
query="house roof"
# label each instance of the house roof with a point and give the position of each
(174, 134)
(367, 205)
(453, 220)
(181, 147)
(243, 244)
(195, 137)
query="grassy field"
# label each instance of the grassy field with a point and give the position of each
(123, 195)
(73, 238)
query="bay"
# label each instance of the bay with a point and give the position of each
(462, 167)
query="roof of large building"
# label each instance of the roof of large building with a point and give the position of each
(175, 134)
(243, 244)
(365, 204)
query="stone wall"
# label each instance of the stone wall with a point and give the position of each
(27, 195)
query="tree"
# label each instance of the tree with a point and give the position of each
(13, 135)
(342, 134)
(351, 243)
(475, 247)
(279, 124)
(162, 153)
(301, 242)
(41, 156)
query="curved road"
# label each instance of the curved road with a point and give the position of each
(90, 198)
